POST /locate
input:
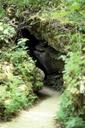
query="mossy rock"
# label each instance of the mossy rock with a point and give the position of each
(53, 31)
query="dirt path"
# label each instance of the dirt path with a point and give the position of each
(41, 115)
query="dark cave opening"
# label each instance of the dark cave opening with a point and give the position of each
(40, 51)
(31, 47)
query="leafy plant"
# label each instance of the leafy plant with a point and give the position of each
(72, 107)
(17, 75)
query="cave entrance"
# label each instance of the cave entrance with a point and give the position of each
(31, 47)
(41, 53)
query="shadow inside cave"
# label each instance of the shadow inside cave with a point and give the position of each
(42, 54)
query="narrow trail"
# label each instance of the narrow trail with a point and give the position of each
(41, 115)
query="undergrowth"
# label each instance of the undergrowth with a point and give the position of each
(72, 106)
(18, 73)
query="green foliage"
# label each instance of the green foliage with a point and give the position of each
(7, 32)
(32, 5)
(17, 75)
(72, 107)
(32, 2)
(72, 101)
(75, 122)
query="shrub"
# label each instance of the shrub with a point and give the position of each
(17, 76)
(72, 102)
